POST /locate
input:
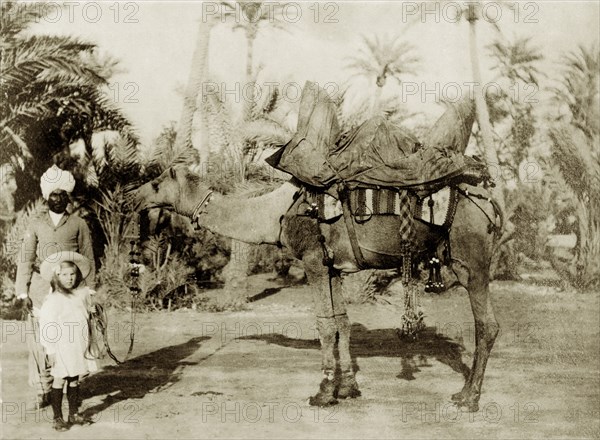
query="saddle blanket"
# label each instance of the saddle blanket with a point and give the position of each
(366, 202)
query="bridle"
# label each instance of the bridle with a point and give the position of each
(198, 209)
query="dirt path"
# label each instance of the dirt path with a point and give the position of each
(248, 374)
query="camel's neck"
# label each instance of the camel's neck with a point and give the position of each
(251, 220)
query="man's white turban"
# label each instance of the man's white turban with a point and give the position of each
(54, 178)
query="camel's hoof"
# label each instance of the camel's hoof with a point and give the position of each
(350, 392)
(469, 406)
(325, 395)
(464, 402)
(321, 399)
(458, 397)
(348, 388)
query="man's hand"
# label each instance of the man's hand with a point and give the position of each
(95, 309)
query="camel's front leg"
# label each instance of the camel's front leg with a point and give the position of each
(332, 321)
(348, 387)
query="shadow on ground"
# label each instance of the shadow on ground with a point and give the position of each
(137, 377)
(386, 343)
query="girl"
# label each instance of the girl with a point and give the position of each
(64, 331)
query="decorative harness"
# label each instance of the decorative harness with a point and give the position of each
(198, 209)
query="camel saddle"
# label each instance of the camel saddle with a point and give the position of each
(377, 177)
(375, 154)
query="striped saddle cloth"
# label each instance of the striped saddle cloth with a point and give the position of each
(367, 202)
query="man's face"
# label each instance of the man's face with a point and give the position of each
(58, 201)
(67, 277)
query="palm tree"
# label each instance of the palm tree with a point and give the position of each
(254, 17)
(576, 152)
(516, 64)
(517, 60)
(52, 94)
(577, 95)
(472, 13)
(383, 58)
(198, 75)
(249, 17)
(238, 146)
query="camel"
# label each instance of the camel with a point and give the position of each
(326, 252)
(269, 219)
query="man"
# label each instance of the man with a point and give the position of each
(52, 231)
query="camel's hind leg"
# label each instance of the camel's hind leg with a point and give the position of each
(472, 246)
(332, 322)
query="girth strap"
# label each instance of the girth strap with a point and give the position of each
(358, 255)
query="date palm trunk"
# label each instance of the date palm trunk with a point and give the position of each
(198, 74)
(490, 154)
(236, 271)
(482, 113)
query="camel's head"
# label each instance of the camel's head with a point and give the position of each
(176, 189)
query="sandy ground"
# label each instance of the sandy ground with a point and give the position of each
(248, 374)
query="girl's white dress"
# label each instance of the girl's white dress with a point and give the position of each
(64, 332)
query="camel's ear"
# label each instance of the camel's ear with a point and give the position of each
(172, 172)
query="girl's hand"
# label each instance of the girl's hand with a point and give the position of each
(52, 359)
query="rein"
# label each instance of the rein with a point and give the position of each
(198, 209)
(98, 320)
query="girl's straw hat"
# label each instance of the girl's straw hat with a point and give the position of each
(49, 265)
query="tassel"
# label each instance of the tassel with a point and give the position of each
(439, 285)
(430, 285)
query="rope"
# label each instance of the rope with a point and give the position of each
(469, 196)
(98, 320)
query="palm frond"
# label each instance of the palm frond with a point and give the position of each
(266, 133)
(385, 56)
(579, 165)
(15, 17)
(578, 92)
(14, 235)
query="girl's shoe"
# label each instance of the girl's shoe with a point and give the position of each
(60, 425)
(78, 419)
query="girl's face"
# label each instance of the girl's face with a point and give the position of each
(67, 277)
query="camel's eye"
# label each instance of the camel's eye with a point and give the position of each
(155, 186)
